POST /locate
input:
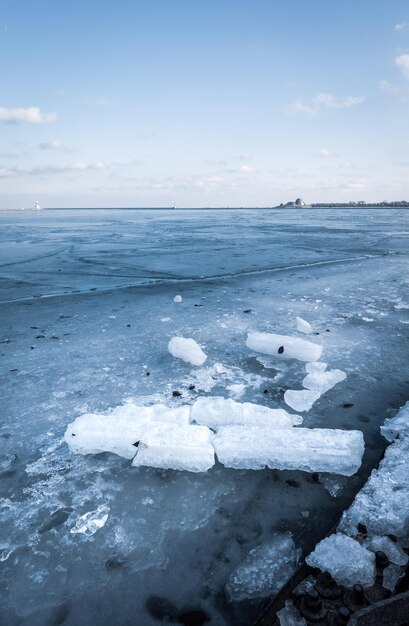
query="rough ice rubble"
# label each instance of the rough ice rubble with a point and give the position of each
(323, 381)
(284, 347)
(187, 349)
(183, 447)
(216, 412)
(265, 570)
(301, 399)
(316, 383)
(397, 425)
(303, 326)
(90, 522)
(392, 549)
(345, 559)
(310, 450)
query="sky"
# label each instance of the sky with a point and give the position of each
(203, 103)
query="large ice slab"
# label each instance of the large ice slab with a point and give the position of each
(382, 503)
(187, 349)
(345, 559)
(265, 570)
(216, 412)
(311, 450)
(396, 425)
(284, 347)
(118, 432)
(169, 446)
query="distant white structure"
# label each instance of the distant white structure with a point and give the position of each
(299, 202)
(37, 206)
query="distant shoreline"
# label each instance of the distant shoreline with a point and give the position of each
(241, 208)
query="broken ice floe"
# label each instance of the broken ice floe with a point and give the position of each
(265, 570)
(345, 559)
(316, 383)
(323, 381)
(310, 450)
(283, 346)
(397, 425)
(392, 549)
(187, 349)
(303, 326)
(216, 412)
(301, 399)
(258, 437)
(177, 298)
(90, 522)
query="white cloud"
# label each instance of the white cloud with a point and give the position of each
(77, 166)
(54, 144)
(322, 101)
(324, 152)
(31, 115)
(247, 169)
(403, 63)
(401, 26)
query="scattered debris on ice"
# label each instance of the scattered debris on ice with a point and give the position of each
(90, 522)
(284, 347)
(311, 450)
(345, 559)
(265, 570)
(187, 349)
(303, 326)
(301, 399)
(216, 412)
(168, 446)
(177, 298)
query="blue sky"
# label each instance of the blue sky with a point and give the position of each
(203, 102)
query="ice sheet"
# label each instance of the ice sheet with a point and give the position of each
(187, 349)
(284, 347)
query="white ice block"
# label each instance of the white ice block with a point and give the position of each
(303, 326)
(316, 366)
(397, 425)
(301, 399)
(177, 298)
(176, 447)
(216, 412)
(265, 570)
(323, 381)
(392, 549)
(310, 450)
(284, 347)
(187, 349)
(345, 559)
(117, 432)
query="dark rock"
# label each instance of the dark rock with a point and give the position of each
(54, 337)
(136, 444)
(191, 387)
(327, 587)
(147, 374)
(176, 394)
(280, 350)
(293, 483)
(265, 391)
(362, 529)
(128, 325)
(40, 337)
(347, 405)
(14, 369)
(247, 311)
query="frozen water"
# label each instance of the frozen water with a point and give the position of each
(90, 522)
(301, 399)
(265, 570)
(216, 412)
(169, 446)
(397, 425)
(392, 574)
(121, 429)
(323, 381)
(345, 559)
(177, 298)
(284, 347)
(392, 549)
(303, 326)
(335, 485)
(187, 349)
(311, 450)
(290, 616)
(316, 366)
(83, 294)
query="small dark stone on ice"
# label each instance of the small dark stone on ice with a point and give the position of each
(191, 387)
(193, 618)
(198, 305)
(292, 483)
(265, 391)
(327, 330)
(128, 325)
(136, 444)
(247, 310)
(34, 327)
(161, 609)
(72, 434)
(31, 347)
(40, 337)
(347, 405)
(147, 374)
(54, 337)
(316, 333)
(362, 529)
(280, 350)
(176, 394)
(14, 369)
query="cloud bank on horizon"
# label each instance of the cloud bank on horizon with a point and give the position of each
(160, 103)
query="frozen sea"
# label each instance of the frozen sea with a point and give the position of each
(86, 313)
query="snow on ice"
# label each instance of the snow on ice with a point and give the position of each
(187, 349)
(345, 559)
(283, 346)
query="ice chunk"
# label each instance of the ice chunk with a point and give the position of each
(396, 425)
(187, 349)
(215, 412)
(391, 576)
(169, 446)
(392, 549)
(177, 298)
(265, 570)
(345, 559)
(382, 504)
(284, 347)
(290, 616)
(301, 399)
(303, 326)
(333, 484)
(317, 366)
(90, 522)
(119, 431)
(311, 450)
(323, 381)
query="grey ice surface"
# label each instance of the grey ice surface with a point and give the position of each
(86, 315)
